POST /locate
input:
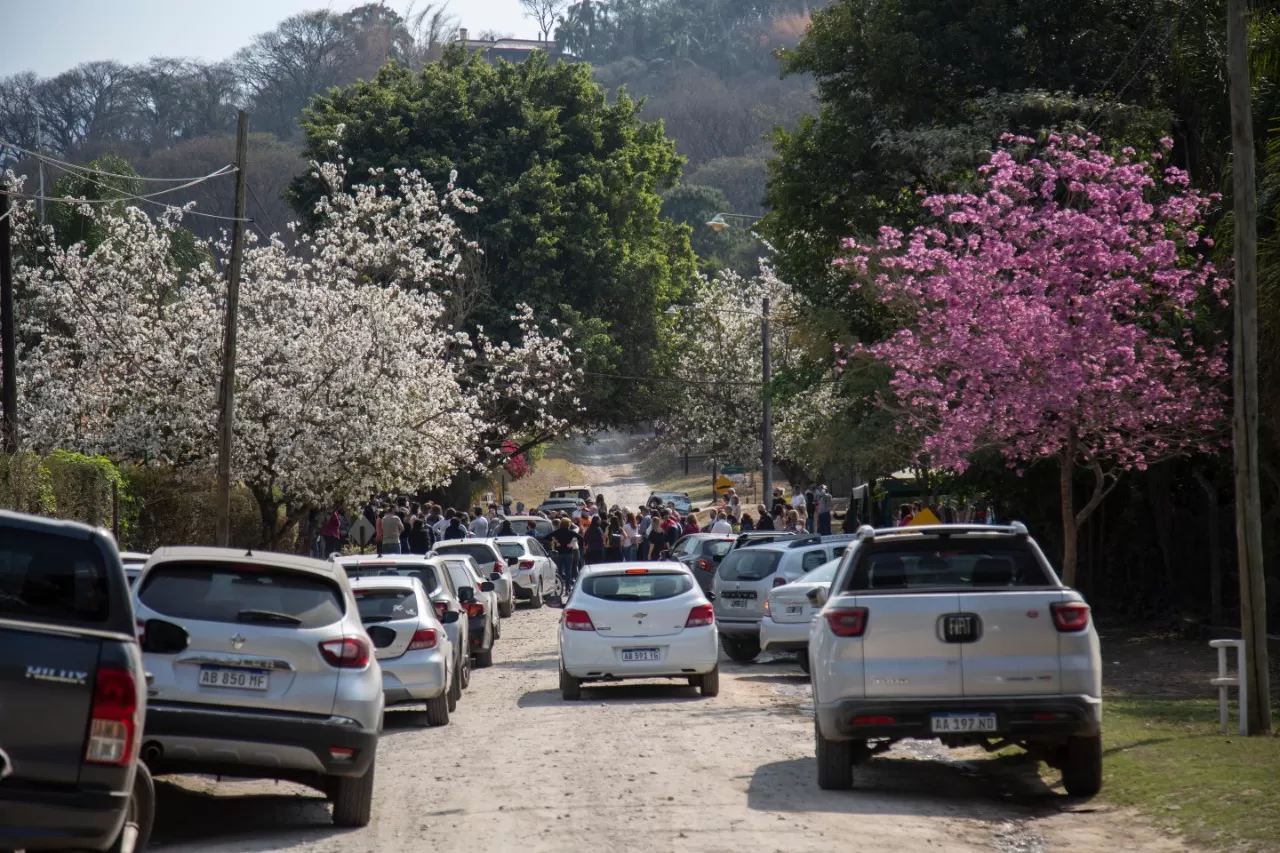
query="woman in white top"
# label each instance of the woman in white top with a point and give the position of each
(630, 538)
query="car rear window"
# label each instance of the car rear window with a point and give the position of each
(49, 578)
(384, 605)
(717, 547)
(748, 564)
(951, 564)
(510, 550)
(482, 554)
(823, 574)
(653, 586)
(461, 577)
(426, 574)
(248, 593)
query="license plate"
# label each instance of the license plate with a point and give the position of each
(632, 655)
(950, 723)
(238, 679)
(795, 609)
(738, 603)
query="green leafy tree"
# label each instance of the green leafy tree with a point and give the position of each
(70, 222)
(733, 248)
(571, 183)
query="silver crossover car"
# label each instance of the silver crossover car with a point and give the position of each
(261, 668)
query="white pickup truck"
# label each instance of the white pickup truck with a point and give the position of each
(961, 633)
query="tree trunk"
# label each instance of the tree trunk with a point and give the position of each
(268, 516)
(1066, 482)
(1215, 549)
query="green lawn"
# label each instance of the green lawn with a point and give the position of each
(1166, 758)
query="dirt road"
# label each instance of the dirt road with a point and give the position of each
(643, 768)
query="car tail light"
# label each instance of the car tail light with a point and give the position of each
(779, 582)
(347, 653)
(767, 608)
(578, 620)
(424, 639)
(441, 608)
(847, 621)
(874, 721)
(474, 608)
(341, 753)
(113, 722)
(499, 568)
(636, 572)
(704, 564)
(526, 564)
(701, 615)
(1072, 616)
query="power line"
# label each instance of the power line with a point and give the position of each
(72, 167)
(263, 208)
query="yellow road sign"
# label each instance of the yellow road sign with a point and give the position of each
(724, 484)
(924, 516)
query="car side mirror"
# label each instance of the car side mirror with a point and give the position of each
(164, 638)
(486, 586)
(494, 576)
(711, 596)
(466, 593)
(817, 597)
(449, 617)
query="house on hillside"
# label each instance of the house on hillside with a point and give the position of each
(511, 49)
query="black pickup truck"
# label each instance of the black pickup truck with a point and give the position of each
(72, 693)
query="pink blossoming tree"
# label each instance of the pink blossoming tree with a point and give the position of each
(1051, 315)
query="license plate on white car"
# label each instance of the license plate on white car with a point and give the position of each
(951, 723)
(794, 609)
(636, 655)
(238, 679)
(738, 603)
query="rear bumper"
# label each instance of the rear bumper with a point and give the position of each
(414, 677)
(783, 636)
(694, 651)
(523, 585)
(50, 819)
(193, 736)
(1017, 718)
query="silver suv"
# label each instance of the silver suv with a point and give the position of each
(261, 669)
(961, 633)
(747, 574)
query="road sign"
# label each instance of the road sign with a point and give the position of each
(361, 531)
(924, 516)
(735, 473)
(723, 484)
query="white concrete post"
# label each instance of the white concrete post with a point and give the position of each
(1224, 682)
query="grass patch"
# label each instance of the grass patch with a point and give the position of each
(1166, 758)
(555, 468)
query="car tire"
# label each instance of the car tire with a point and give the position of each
(506, 608)
(835, 762)
(141, 814)
(709, 684)
(570, 687)
(1082, 766)
(465, 681)
(455, 689)
(535, 600)
(743, 650)
(438, 710)
(484, 659)
(802, 658)
(352, 799)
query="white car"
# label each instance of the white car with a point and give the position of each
(788, 612)
(638, 620)
(531, 568)
(410, 643)
(490, 564)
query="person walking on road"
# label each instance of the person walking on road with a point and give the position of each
(823, 501)
(456, 529)
(766, 520)
(564, 543)
(657, 540)
(631, 538)
(332, 532)
(721, 524)
(392, 528)
(479, 524)
(613, 537)
(593, 542)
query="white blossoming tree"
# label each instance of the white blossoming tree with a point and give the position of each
(348, 378)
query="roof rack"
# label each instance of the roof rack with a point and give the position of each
(1017, 528)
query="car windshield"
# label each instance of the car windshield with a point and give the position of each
(651, 586)
(482, 554)
(384, 605)
(426, 574)
(956, 563)
(49, 578)
(748, 564)
(227, 592)
(825, 573)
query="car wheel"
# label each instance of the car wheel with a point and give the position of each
(497, 629)
(353, 799)
(466, 672)
(741, 650)
(506, 608)
(535, 601)
(1082, 766)
(802, 658)
(455, 688)
(709, 684)
(835, 762)
(570, 687)
(136, 832)
(484, 659)
(438, 710)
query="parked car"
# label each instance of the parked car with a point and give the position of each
(72, 692)
(637, 620)
(444, 598)
(702, 553)
(566, 498)
(788, 612)
(481, 605)
(410, 643)
(544, 527)
(678, 500)
(492, 564)
(261, 668)
(746, 575)
(761, 537)
(533, 572)
(961, 633)
(133, 562)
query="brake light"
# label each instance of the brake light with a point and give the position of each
(441, 608)
(767, 608)
(874, 721)
(475, 608)
(578, 620)
(636, 572)
(847, 621)
(701, 615)
(526, 564)
(347, 653)
(779, 582)
(1072, 616)
(424, 639)
(704, 564)
(499, 568)
(113, 723)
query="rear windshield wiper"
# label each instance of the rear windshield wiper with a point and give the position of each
(266, 616)
(747, 578)
(367, 619)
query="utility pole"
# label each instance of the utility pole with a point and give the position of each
(1253, 598)
(8, 343)
(226, 421)
(40, 166)
(766, 432)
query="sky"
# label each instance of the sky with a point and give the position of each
(50, 36)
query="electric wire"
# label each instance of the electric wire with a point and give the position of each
(72, 167)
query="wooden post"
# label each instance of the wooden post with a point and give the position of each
(766, 431)
(226, 422)
(1253, 599)
(115, 510)
(8, 343)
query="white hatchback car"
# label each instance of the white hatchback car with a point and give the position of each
(638, 620)
(532, 569)
(788, 612)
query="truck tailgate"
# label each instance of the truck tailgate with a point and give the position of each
(46, 692)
